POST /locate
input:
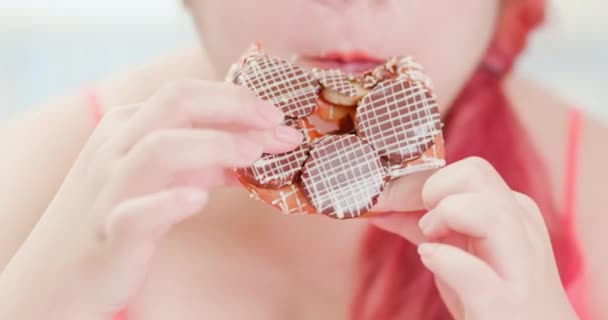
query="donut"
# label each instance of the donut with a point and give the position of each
(343, 176)
(399, 118)
(388, 127)
(284, 84)
(278, 170)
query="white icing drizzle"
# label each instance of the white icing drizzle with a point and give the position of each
(336, 81)
(290, 202)
(295, 91)
(430, 160)
(408, 67)
(278, 170)
(342, 187)
(307, 129)
(404, 67)
(285, 85)
(399, 100)
(279, 167)
(235, 69)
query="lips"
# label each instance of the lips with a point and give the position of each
(352, 62)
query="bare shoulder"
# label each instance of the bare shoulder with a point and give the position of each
(545, 116)
(39, 148)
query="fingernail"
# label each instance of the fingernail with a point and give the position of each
(249, 149)
(270, 115)
(425, 250)
(288, 135)
(424, 223)
(426, 262)
(192, 198)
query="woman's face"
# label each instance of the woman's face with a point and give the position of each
(448, 37)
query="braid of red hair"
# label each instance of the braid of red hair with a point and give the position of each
(393, 282)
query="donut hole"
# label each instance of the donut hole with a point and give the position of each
(332, 127)
(332, 119)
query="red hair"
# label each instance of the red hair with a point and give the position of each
(393, 282)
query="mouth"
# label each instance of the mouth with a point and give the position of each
(353, 62)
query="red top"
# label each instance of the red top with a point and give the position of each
(576, 289)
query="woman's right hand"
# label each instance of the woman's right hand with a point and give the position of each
(145, 169)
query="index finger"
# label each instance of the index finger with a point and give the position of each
(206, 103)
(201, 104)
(466, 176)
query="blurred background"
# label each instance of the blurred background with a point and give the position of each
(50, 47)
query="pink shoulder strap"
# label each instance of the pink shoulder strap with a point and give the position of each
(577, 290)
(571, 185)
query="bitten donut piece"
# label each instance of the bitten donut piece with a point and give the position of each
(310, 132)
(330, 112)
(408, 67)
(343, 176)
(278, 170)
(393, 68)
(339, 88)
(400, 119)
(284, 84)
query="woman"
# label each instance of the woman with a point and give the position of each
(117, 235)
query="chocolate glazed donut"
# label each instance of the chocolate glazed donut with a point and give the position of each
(389, 128)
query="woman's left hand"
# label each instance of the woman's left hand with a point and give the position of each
(487, 246)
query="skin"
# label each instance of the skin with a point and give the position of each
(141, 212)
(345, 26)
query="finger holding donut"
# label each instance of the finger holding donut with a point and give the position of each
(145, 169)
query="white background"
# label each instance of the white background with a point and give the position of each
(51, 46)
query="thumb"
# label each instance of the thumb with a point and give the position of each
(402, 224)
(473, 280)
